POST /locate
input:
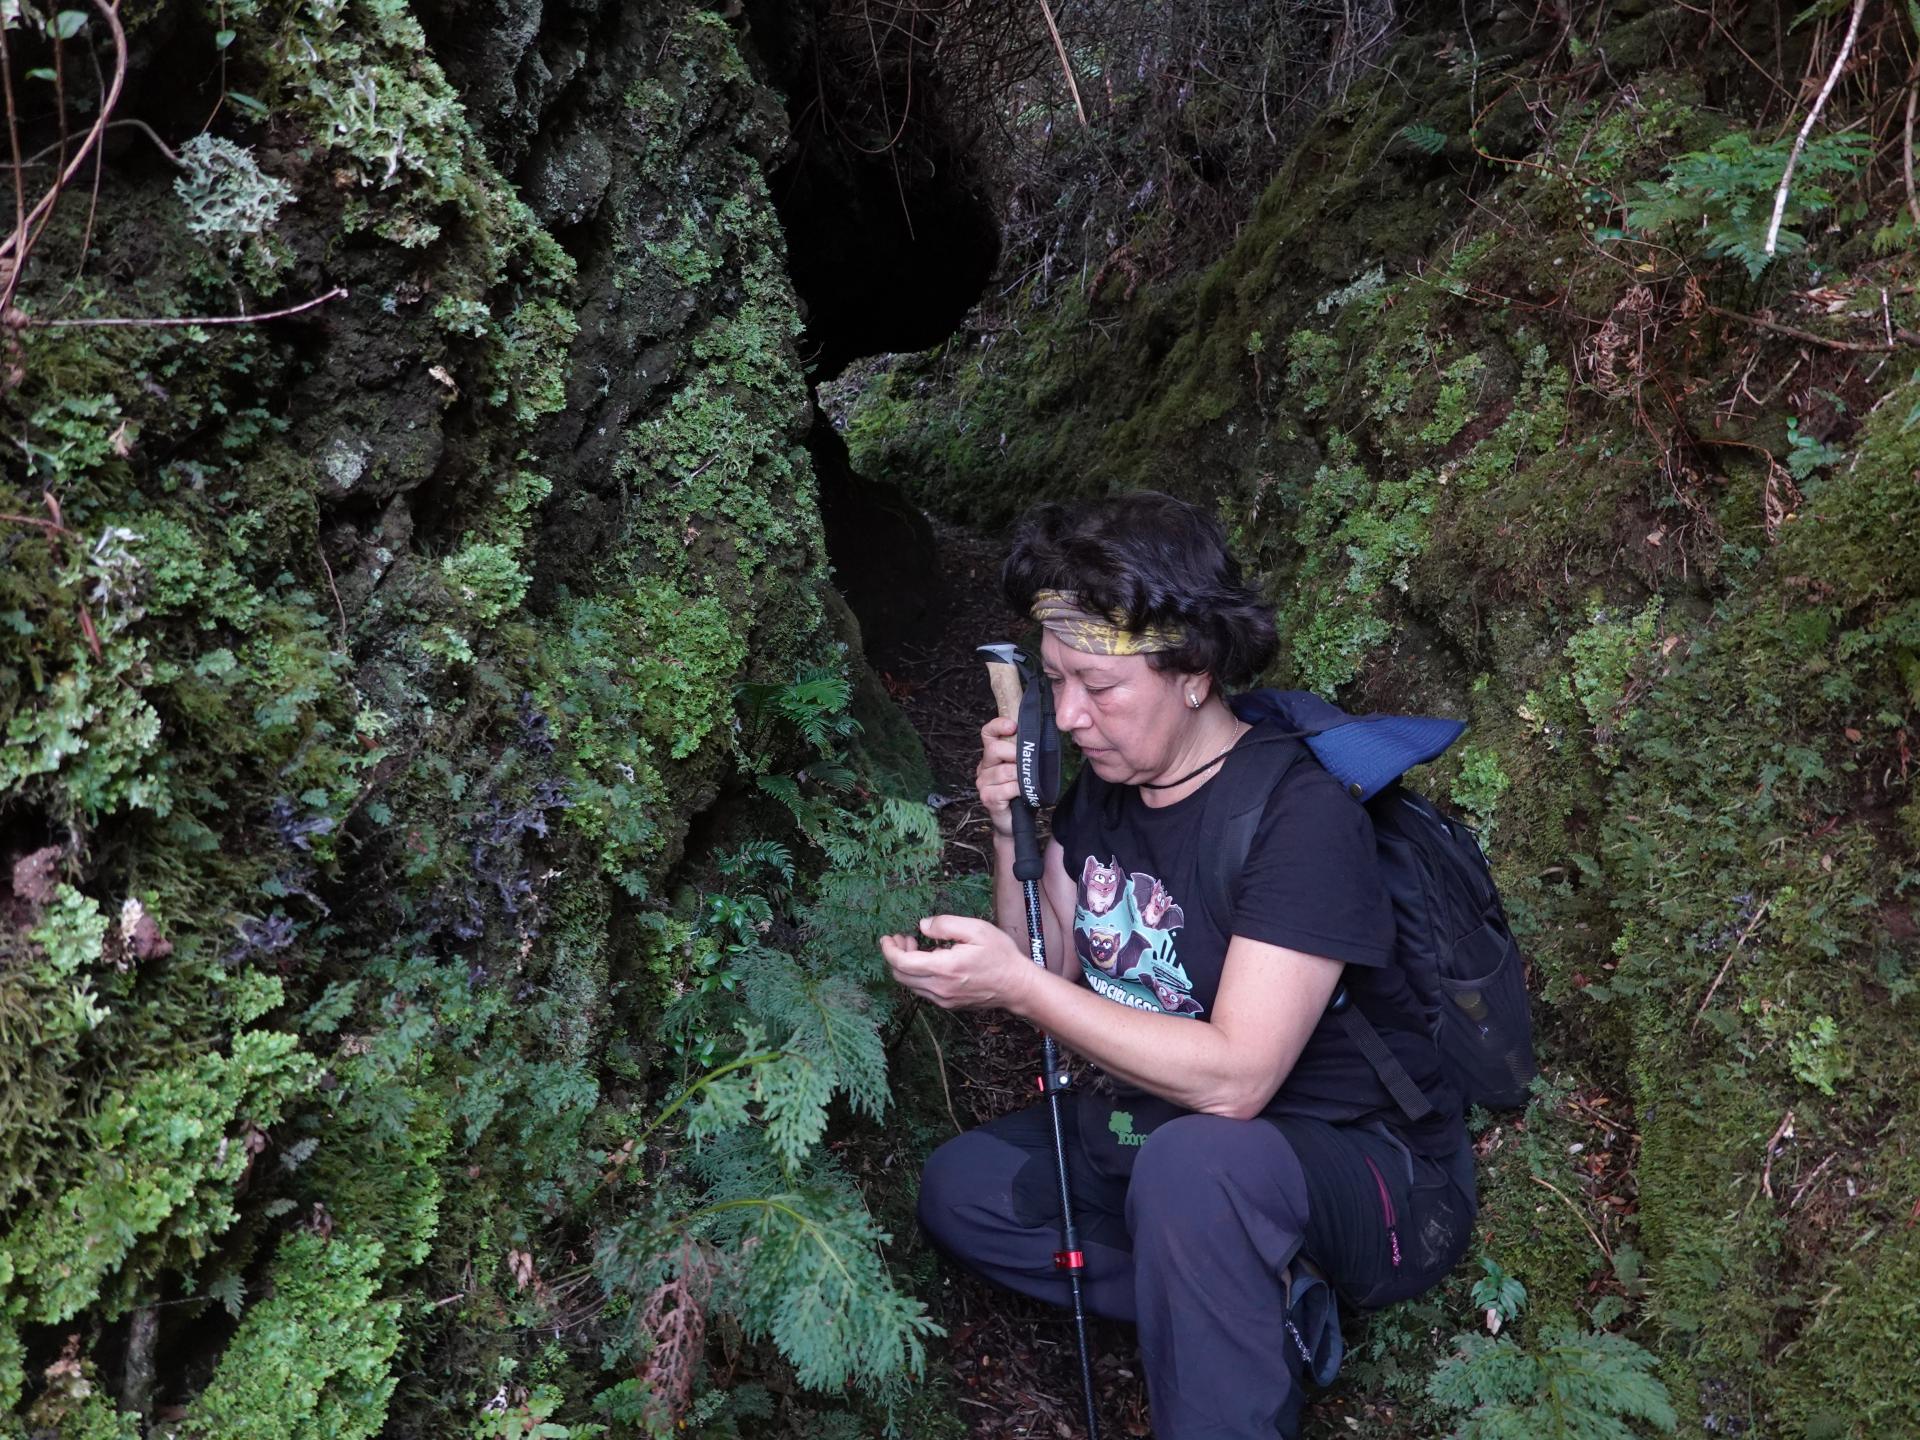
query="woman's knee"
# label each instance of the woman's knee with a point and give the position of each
(958, 1189)
(1193, 1157)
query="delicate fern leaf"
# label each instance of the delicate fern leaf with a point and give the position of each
(1608, 1374)
(830, 1019)
(230, 1289)
(722, 1105)
(813, 1280)
(1484, 1371)
(786, 790)
(832, 774)
(1424, 138)
(755, 856)
(1571, 1385)
(793, 1093)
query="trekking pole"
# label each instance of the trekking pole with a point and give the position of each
(1022, 697)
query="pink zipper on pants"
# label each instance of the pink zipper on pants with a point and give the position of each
(1386, 1208)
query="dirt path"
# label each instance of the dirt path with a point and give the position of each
(1012, 1359)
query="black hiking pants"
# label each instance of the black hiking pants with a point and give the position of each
(1197, 1245)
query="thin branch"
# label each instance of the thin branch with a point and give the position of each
(1065, 69)
(321, 551)
(13, 135)
(1758, 916)
(1906, 154)
(99, 165)
(1813, 116)
(27, 228)
(140, 125)
(339, 292)
(1579, 1214)
(940, 1061)
(1902, 337)
(60, 89)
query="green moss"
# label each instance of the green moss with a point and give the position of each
(164, 1157)
(1604, 661)
(310, 1362)
(1480, 785)
(367, 780)
(1850, 533)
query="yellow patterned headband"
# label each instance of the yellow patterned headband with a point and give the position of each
(1061, 613)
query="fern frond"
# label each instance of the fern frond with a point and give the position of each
(1572, 1385)
(814, 1281)
(1424, 138)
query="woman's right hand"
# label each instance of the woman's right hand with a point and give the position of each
(998, 777)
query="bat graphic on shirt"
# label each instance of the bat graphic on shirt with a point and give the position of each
(1173, 1001)
(1103, 946)
(1154, 904)
(1101, 883)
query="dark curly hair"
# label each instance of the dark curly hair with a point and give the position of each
(1151, 560)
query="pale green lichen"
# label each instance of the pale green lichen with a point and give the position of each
(226, 195)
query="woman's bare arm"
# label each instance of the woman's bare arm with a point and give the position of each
(1268, 1002)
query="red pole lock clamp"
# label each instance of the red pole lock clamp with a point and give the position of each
(1069, 1260)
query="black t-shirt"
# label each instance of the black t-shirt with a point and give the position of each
(1144, 937)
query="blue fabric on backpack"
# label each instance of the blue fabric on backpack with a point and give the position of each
(1365, 751)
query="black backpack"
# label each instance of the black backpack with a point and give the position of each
(1451, 932)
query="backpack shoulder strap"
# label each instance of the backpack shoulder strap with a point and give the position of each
(1236, 799)
(1411, 1099)
(1236, 802)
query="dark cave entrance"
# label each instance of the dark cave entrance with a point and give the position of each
(892, 235)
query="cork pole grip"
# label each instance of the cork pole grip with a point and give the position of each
(1005, 680)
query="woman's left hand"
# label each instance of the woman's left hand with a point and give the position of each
(981, 969)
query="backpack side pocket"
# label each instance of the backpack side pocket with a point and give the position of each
(1486, 1034)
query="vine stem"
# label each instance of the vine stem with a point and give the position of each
(1813, 116)
(29, 224)
(339, 292)
(701, 1084)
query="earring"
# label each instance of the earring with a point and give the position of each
(1193, 701)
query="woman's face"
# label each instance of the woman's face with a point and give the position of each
(1130, 720)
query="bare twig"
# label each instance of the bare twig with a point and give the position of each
(321, 551)
(99, 165)
(1782, 1131)
(1906, 153)
(339, 292)
(1578, 1213)
(1807, 1183)
(940, 1061)
(29, 226)
(1902, 336)
(1813, 116)
(1752, 924)
(1065, 69)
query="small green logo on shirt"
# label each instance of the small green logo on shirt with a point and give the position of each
(1121, 1124)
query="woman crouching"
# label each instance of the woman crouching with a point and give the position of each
(1244, 1145)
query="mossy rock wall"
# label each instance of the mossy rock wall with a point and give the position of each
(1498, 456)
(362, 674)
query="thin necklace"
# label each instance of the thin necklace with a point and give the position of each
(1192, 774)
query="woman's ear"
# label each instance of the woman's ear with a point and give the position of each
(1196, 690)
